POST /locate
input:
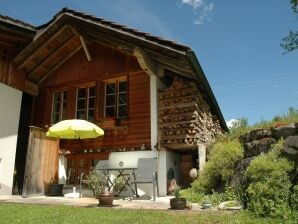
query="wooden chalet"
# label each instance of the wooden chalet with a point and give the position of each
(146, 92)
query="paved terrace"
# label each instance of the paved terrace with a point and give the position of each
(161, 203)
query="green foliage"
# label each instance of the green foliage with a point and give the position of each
(177, 192)
(294, 4)
(220, 166)
(269, 184)
(192, 195)
(96, 181)
(119, 183)
(240, 127)
(290, 42)
(294, 198)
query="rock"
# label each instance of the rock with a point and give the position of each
(230, 205)
(238, 178)
(255, 135)
(291, 145)
(284, 131)
(255, 148)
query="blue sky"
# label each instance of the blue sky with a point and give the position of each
(236, 42)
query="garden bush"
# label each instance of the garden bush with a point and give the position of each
(220, 166)
(268, 191)
(294, 198)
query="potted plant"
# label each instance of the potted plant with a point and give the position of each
(98, 182)
(178, 203)
(54, 188)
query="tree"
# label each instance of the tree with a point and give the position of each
(290, 42)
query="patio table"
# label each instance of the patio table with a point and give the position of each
(127, 173)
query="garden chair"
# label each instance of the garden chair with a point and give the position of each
(146, 173)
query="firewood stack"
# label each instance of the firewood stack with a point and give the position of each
(185, 118)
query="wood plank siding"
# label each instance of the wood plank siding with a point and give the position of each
(41, 163)
(9, 75)
(106, 63)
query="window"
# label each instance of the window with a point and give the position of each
(59, 106)
(116, 99)
(85, 103)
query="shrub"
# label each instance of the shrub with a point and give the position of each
(269, 184)
(294, 198)
(220, 166)
(191, 195)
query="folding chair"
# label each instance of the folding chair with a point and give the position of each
(146, 173)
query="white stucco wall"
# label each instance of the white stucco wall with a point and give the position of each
(167, 160)
(10, 101)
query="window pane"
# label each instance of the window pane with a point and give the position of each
(122, 111)
(63, 114)
(91, 91)
(81, 105)
(56, 107)
(110, 111)
(57, 97)
(122, 86)
(80, 114)
(91, 102)
(64, 96)
(55, 118)
(82, 93)
(122, 98)
(110, 100)
(91, 115)
(110, 88)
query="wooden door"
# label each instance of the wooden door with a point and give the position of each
(41, 163)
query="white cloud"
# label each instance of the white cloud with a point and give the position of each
(205, 14)
(193, 3)
(200, 7)
(232, 122)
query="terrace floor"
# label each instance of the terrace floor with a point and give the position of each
(161, 203)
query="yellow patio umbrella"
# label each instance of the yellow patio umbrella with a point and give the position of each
(75, 129)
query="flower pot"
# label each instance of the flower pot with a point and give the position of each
(206, 205)
(178, 203)
(106, 199)
(55, 189)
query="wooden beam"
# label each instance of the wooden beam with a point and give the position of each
(86, 50)
(7, 43)
(145, 62)
(31, 88)
(59, 64)
(40, 46)
(83, 42)
(52, 54)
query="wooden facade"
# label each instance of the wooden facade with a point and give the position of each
(106, 64)
(14, 36)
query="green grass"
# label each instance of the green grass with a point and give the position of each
(21, 213)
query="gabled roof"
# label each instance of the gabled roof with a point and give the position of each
(69, 31)
(118, 27)
(15, 32)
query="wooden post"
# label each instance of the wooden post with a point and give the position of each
(202, 156)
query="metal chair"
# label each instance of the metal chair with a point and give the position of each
(146, 173)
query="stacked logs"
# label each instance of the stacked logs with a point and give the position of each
(185, 118)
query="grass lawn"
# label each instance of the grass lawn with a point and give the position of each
(24, 213)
